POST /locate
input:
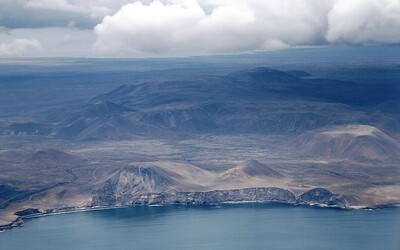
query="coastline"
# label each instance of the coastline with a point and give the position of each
(19, 221)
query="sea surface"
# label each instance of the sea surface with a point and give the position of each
(246, 226)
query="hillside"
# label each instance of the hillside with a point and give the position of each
(262, 100)
(352, 142)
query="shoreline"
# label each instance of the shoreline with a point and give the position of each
(19, 221)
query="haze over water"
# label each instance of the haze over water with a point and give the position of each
(249, 226)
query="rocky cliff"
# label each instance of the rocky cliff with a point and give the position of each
(261, 194)
(317, 196)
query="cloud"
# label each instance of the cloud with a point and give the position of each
(364, 21)
(190, 27)
(53, 42)
(20, 47)
(56, 13)
(146, 28)
(62, 5)
(187, 27)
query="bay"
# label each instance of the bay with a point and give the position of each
(245, 226)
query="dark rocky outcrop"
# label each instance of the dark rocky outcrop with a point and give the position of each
(29, 211)
(321, 196)
(16, 223)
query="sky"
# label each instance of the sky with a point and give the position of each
(170, 28)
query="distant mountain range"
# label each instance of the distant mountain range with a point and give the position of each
(340, 119)
(261, 100)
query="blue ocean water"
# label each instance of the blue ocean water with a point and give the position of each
(249, 226)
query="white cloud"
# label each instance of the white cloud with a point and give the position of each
(143, 28)
(197, 27)
(20, 47)
(364, 21)
(187, 27)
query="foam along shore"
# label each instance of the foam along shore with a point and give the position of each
(317, 197)
(19, 222)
